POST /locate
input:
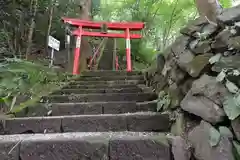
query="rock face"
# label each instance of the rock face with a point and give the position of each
(205, 99)
(200, 74)
(202, 107)
(199, 137)
(229, 16)
(236, 127)
(207, 86)
(193, 62)
(180, 149)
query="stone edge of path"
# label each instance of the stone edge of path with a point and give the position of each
(60, 109)
(140, 121)
(107, 146)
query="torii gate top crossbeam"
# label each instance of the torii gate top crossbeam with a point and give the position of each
(110, 25)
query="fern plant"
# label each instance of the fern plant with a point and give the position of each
(20, 77)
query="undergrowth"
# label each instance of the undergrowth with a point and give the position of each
(23, 83)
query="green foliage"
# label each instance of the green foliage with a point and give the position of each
(232, 107)
(20, 77)
(163, 101)
(163, 19)
(226, 3)
(95, 7)
(214, 137)
(224, 131)
(231, 104)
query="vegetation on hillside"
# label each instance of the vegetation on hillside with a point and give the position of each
(25, 26)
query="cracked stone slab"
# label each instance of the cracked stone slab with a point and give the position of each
(65, 146)
(110, 73)
(148, 106)
(91, 146)
(131, 148)
(141, 121)
(32, 124)
(148, 121)
(10, 147)
(61, 109)
(106, 90)
(139, 97)
(87, 78)
(101, 86)
(120, 107)
(38, 109)
(88, 108)
(95, 123)
(108, 82)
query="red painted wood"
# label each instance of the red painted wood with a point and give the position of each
(110, 25)
(116, 63)
(126, 26)
(128, 51)
(77, 53)
(111, 35)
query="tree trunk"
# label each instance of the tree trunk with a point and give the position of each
(49, 24)
(68, 48)
(20, 34)
(86, 51)
(208, 9)
(31, 28)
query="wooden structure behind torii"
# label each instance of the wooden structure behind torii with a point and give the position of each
(122, 26)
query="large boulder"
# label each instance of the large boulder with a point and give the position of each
(199, 138)
(230, 15)
(180, 149)
(208, 87)
(236, 127)
(198, 64)
(203, 107)
(205, 99)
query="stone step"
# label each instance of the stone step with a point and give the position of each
(102, 86)
(137, 122)
(110, 73)
(61, 109)
(83, 146)
(107, 82)
(106, 90)
(110, 78)
(138, 97)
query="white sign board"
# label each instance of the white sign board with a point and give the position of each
(53, 43)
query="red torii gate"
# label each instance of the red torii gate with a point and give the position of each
(127, 27)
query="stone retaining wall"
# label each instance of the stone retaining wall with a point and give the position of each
(199, 74)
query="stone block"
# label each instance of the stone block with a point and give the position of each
(148, 122)
(96, 123)
(32, 125)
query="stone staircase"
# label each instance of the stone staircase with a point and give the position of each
(104, 115)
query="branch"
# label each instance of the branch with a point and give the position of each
(170, 23)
